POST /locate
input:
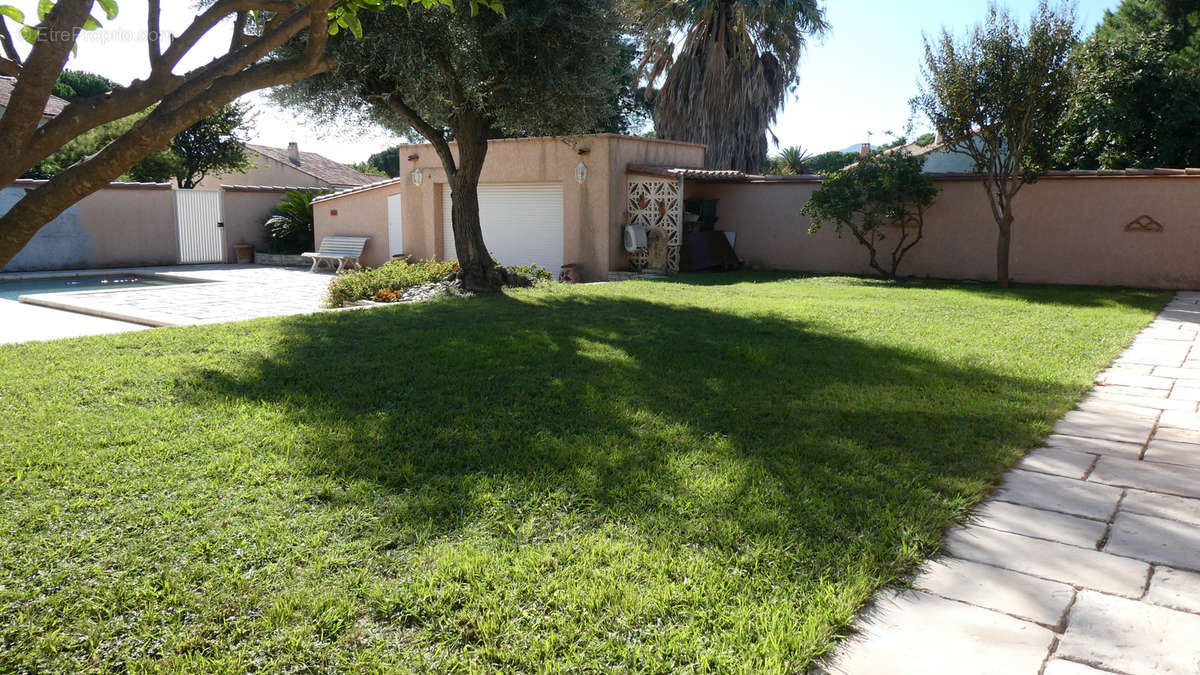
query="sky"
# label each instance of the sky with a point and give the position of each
(855, 81)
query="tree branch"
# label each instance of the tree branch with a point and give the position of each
(435, 135)
(39, 74)
(153, 21)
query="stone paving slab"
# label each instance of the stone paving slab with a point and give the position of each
(1143, 381)
(1120, 409)
(1173, 452)
(1172, 480)
(1031, 522)
(1179, 435)
(1177, 589)
(1002, 590)
(1131, 637)
(918, 633)
(1050, 560)
(1162, 506)
(1060, 462)
(1054, 493)
(1179, 419)
(1063, 667)
(1096, 425)
(1095, 446)
(1155, 540)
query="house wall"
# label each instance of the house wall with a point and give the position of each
(592, 210)
(266, 171)
(121, 226)
(1069, 230)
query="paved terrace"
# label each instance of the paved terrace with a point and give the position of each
(236, 293)
(1087, 560)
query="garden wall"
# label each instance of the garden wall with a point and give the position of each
(244, 209)
(1117, 230)
(123, 225)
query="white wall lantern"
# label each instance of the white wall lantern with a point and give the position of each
(417, 176)
(581, 173)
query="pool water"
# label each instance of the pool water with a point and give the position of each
(11, 290)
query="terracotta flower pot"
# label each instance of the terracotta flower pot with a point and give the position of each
(244, 253)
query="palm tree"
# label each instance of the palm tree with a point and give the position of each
(726, 68)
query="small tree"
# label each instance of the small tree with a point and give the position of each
(883, 196)
(997, 98)
(215, 144)
(464, 77)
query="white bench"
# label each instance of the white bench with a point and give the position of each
(339, 249)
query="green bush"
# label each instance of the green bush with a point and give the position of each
(535, 272)
(290, 227)
(353, 285)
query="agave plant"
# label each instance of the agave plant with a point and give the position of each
(726, 68)
(290, 228)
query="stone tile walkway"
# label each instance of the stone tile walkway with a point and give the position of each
(236, 293)
(1087, 560)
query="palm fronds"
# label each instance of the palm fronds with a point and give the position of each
(724, 82)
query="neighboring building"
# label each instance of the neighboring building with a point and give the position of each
(54, 105)
(279, 166)
(938, 158)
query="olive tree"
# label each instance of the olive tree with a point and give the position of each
(460, 78)
(882, 198)
(177, 99)
(997, 97)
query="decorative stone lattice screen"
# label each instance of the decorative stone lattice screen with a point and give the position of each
(657, 203)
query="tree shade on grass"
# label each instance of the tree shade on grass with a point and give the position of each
(711, 473)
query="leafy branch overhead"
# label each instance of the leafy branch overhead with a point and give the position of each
(172, 99)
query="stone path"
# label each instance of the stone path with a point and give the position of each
(236, 294)
(1087, 560)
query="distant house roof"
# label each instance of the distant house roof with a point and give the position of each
(317, 166)
(54, 105)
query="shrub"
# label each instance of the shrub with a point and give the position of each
(290, 227)
(353, 285)
(535, 272)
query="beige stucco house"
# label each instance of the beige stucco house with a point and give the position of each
(548, 201)
(290, 167)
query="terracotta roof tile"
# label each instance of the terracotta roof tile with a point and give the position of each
(54, 105)
(317, 166)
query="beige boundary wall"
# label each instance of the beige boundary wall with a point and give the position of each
(134, 225)
(592, 211)
(125, 224)
(1069, 230)
(244, 209)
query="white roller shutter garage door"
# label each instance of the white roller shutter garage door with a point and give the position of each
(522, 223)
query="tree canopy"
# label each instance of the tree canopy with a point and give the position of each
(546, 69)
(882, 197)
(1138, 84)
(997, 97)
(215, 144)
(726, 68)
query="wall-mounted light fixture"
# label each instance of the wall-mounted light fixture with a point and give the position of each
(581, 173)
(417, 176)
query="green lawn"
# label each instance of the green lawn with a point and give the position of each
(707, 474)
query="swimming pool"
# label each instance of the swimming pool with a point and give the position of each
(11, 290)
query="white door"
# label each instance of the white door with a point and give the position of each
(522, 223)
(395, 225)
(198, 219)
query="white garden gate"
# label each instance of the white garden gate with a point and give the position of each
(201, 232)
